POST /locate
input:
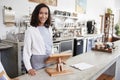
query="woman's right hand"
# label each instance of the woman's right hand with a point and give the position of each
(32, 72)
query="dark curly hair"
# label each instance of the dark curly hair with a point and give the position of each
(34, 18)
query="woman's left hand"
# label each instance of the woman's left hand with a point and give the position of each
(32, 72)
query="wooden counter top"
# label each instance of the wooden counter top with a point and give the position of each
(101, 61)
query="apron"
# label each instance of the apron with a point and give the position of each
(38, 61)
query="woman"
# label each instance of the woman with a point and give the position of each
(38, 39)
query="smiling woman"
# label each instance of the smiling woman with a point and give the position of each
(38, 39)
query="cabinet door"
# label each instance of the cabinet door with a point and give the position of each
(89, 44)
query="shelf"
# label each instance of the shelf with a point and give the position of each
(108, 25)
(65, 16)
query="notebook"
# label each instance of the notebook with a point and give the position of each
(82, 66)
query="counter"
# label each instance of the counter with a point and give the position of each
(4, 47)
(101, 61)
(5, 55)
(15, 57)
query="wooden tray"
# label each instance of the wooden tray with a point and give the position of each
(103, 50)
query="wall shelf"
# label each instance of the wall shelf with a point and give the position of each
(108, 27)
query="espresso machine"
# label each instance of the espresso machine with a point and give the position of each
(91, 26)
